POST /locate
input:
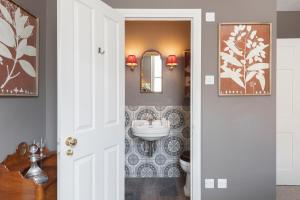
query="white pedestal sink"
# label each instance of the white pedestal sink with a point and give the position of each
(151, 131)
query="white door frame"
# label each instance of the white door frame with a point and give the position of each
(194, 16)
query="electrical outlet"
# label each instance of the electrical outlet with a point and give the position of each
(209, 183)
(222, 183)
(210, 17)
(209, 80)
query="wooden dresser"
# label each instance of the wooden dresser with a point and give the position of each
(13, 185)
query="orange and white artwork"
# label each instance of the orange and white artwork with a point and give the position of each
(18, 51)
(245, 59)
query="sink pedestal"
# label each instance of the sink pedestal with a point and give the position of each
(149, 147)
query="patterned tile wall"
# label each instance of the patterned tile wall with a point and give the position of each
(165, 159)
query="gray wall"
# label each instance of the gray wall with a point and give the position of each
(288, 24)
(51, 78)
(238, 133)
(288, 5)
(172, 88)
(26, 119)
(23, 119)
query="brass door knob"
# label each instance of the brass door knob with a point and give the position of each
(71, 142)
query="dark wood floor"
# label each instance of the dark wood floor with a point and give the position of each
(154, 189)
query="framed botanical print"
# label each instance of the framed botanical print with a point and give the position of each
(245, 59)
(19, 35)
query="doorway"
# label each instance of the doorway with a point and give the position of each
(157, 96)
(194, 17)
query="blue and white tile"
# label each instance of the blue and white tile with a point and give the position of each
(165, 160)
(128, 146)
(129, 133)
(128, 171)
(133, 160)
(146, 112)
(160, 159)
(160, 108)
(176, 117)
(173, 146)
(128, 118)
(147, 169)
(132, 108)
(172, 169)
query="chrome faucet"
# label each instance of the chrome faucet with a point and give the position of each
(150, 119)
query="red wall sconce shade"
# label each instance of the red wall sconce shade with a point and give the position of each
(131, 62)
(171, 62)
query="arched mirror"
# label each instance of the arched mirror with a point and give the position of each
(151, 72)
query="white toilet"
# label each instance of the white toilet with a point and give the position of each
(185, 165)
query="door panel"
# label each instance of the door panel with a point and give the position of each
(111, 172)
(84, 25)
(111, 68)
(90, 100)
(285, 99)
(84, 175)
(288, 112)
(285, 151)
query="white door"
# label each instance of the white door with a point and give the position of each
(90, 101)
(288, 112)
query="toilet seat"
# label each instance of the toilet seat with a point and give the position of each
(185, 156)
(185, 165)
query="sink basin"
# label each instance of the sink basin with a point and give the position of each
(151, 132)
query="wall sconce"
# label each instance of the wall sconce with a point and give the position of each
(171, 62)
(131, 62)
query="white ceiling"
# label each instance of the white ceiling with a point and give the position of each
(288, 5)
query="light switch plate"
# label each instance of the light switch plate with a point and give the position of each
(209, 80)
(209, 183)
(222, 183)
(210, 17)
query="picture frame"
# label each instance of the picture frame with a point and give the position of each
(245, 59)
(19, 50)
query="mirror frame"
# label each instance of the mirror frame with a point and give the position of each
(162, 69)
